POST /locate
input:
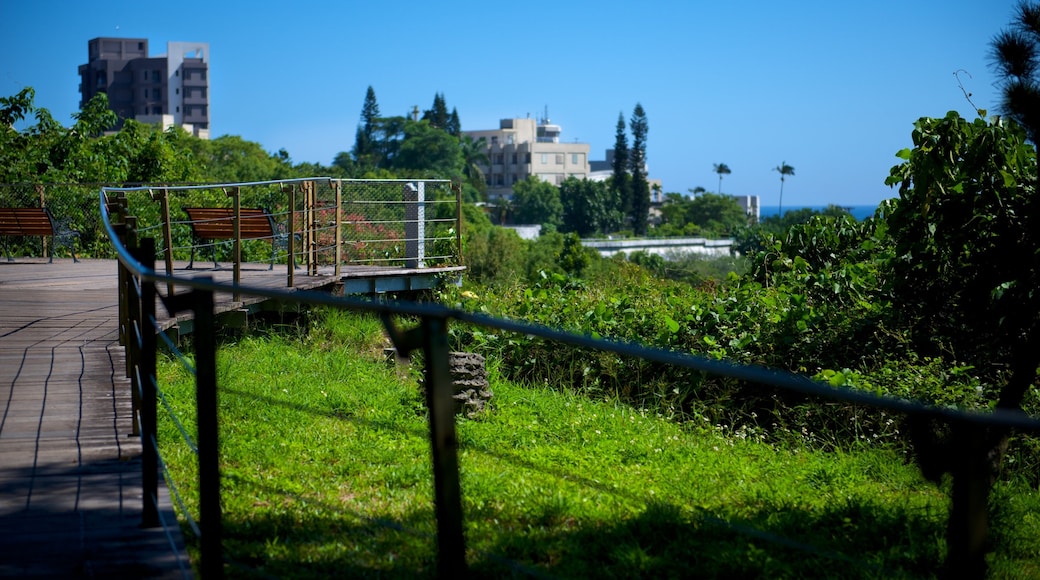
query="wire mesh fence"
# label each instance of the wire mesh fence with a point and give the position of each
(315, 221)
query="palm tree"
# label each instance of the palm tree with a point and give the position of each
(474, 156)
(721, 169)
(697, 191)
(1015, 55)
(784, 169)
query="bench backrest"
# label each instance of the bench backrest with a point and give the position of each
(25, 221)
(217, 223)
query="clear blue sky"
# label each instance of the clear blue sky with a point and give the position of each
(832, 88)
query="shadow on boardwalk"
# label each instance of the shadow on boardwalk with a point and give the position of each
(70, 471)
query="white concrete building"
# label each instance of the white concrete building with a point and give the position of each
(521, 147)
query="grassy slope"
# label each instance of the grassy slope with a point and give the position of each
(327, 472)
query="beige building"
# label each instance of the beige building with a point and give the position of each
(522, 147)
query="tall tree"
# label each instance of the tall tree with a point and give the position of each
(621, 182)
(1016, 55)
(438, 114)
(454, 127)
(637, 164)
(784, 169)
(364, 142)
(721, 169)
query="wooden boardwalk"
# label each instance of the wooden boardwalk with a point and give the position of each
(70, 469)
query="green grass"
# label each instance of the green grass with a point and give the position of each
(326, 471)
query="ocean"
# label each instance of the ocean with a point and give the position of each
(860, 212)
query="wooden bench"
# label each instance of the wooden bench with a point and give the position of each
(36, 221)
(218, 223)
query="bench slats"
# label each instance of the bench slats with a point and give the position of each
(25, 221)
(36, 221)
(218, 223)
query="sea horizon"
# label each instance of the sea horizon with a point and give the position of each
(860, 212)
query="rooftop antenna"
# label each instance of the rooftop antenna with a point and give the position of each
(545, 118)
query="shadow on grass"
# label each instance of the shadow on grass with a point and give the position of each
(858, 540)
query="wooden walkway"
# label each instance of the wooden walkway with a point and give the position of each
(70, 470)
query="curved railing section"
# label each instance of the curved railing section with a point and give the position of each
(139, 245)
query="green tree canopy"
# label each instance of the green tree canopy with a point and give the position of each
(428, 150)
(537, 202)
(588, 208)
(967, 233)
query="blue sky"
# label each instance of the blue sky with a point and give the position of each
(831, 88)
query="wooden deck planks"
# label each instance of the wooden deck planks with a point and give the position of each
(70, 472)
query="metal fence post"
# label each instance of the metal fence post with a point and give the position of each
(415, 224)
(451, 543)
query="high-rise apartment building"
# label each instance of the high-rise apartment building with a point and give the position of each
(521, 147)
(170, 89)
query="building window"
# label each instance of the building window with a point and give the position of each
(498, 158)
(499, 179)
(527, 158)
(178, 109)
(576, 159)
(494, 139)
(514, 158)
(559, 158)
(545, 158)
(509, 139)
(155, 76)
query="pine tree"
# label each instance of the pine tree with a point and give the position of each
(621, 183)
(438, 114)
(1016, 56)
(454, 125)
(637, 163)
(364, 141)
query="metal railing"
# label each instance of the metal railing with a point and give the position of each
(317, 221)
(138, 282)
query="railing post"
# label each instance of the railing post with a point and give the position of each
(236, 248)
(291, 241)
(415, 224)
(212, 565)
(337, 187)
(131, 301)
(967, 524)
(149, 396)
(458, 223)
(310, 216)
(201, 303)
(451, 543)
(164, 206)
